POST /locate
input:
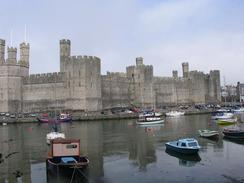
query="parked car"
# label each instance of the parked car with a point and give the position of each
(7, 114)
(12, 116)
(33, 115)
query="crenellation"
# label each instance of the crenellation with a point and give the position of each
(44, 78)
(80, 86)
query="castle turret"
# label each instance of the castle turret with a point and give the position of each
(64, 53)
(139, 61)
(185, 68)
(12, 55)
(175, 74)
(24, 53)
(2, 51)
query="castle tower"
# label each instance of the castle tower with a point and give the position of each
(64, 53)
(185, 68)
(175, 74)
(2, 51)
(139, 61)
(24, 53)
(12, 55)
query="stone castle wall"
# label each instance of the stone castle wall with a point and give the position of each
(80, 86)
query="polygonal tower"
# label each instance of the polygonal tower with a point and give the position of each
(185, 68)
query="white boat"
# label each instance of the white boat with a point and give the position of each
(54, 135)
(208, 133)
(185, 146)
(225, 115)
(174, 113)
(149, 120)
(239, 110)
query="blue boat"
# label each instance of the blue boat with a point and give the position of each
(185, 146)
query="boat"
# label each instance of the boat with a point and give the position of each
(54, 135)
(227, 121)
(61, 118)
(239, 110)
(222, 115)
(233, 133)
(174, 113)
(208, 133)
(64, 157)
(149, 120)
(185, 146)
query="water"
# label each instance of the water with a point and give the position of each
(121, 151)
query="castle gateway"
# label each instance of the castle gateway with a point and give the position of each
(80, 86)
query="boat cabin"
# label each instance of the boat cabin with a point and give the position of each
(187, 143)
(65, 147)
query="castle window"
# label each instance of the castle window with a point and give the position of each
(79, 73)
(91, 85)
(69, 84)
(79, 84)
(69, 74)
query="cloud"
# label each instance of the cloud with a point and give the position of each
(208, 34)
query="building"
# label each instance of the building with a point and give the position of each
(80, 86)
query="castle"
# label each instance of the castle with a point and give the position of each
(80, 86)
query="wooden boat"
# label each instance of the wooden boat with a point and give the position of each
(185, 146)
(64, 157)
(149, 120)
(227, 121)
(174, 113)
(208, 133)
(233, 133)
(54, 135)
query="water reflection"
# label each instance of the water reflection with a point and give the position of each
(119, 151)
(187, 160)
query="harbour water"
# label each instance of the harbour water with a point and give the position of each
(121, 151)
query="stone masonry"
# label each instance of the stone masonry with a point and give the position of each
(79, 86)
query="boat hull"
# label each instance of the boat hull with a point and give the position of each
(149, 122)
(208, 134)
(181, 150)
(234, 135)
(44, 120)
(67, 169)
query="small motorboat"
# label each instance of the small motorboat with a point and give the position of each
(54, 135)
(208, 133)
(233, 133)
(64, 157)
(149, 120)
(239, 110)
(174, 113)
(227, 121)
(61, 118)
(185, 146)
(222, 115)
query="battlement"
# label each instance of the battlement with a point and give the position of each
(24, 44)
(12, 49)
(2, 42)
(118, 74)
(55, 77)
(84, 58)
(65, 41)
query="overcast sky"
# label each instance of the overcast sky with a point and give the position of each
(209, 34)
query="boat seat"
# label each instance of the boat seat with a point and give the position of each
(68, 160)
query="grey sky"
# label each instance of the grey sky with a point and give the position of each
(206, 33)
